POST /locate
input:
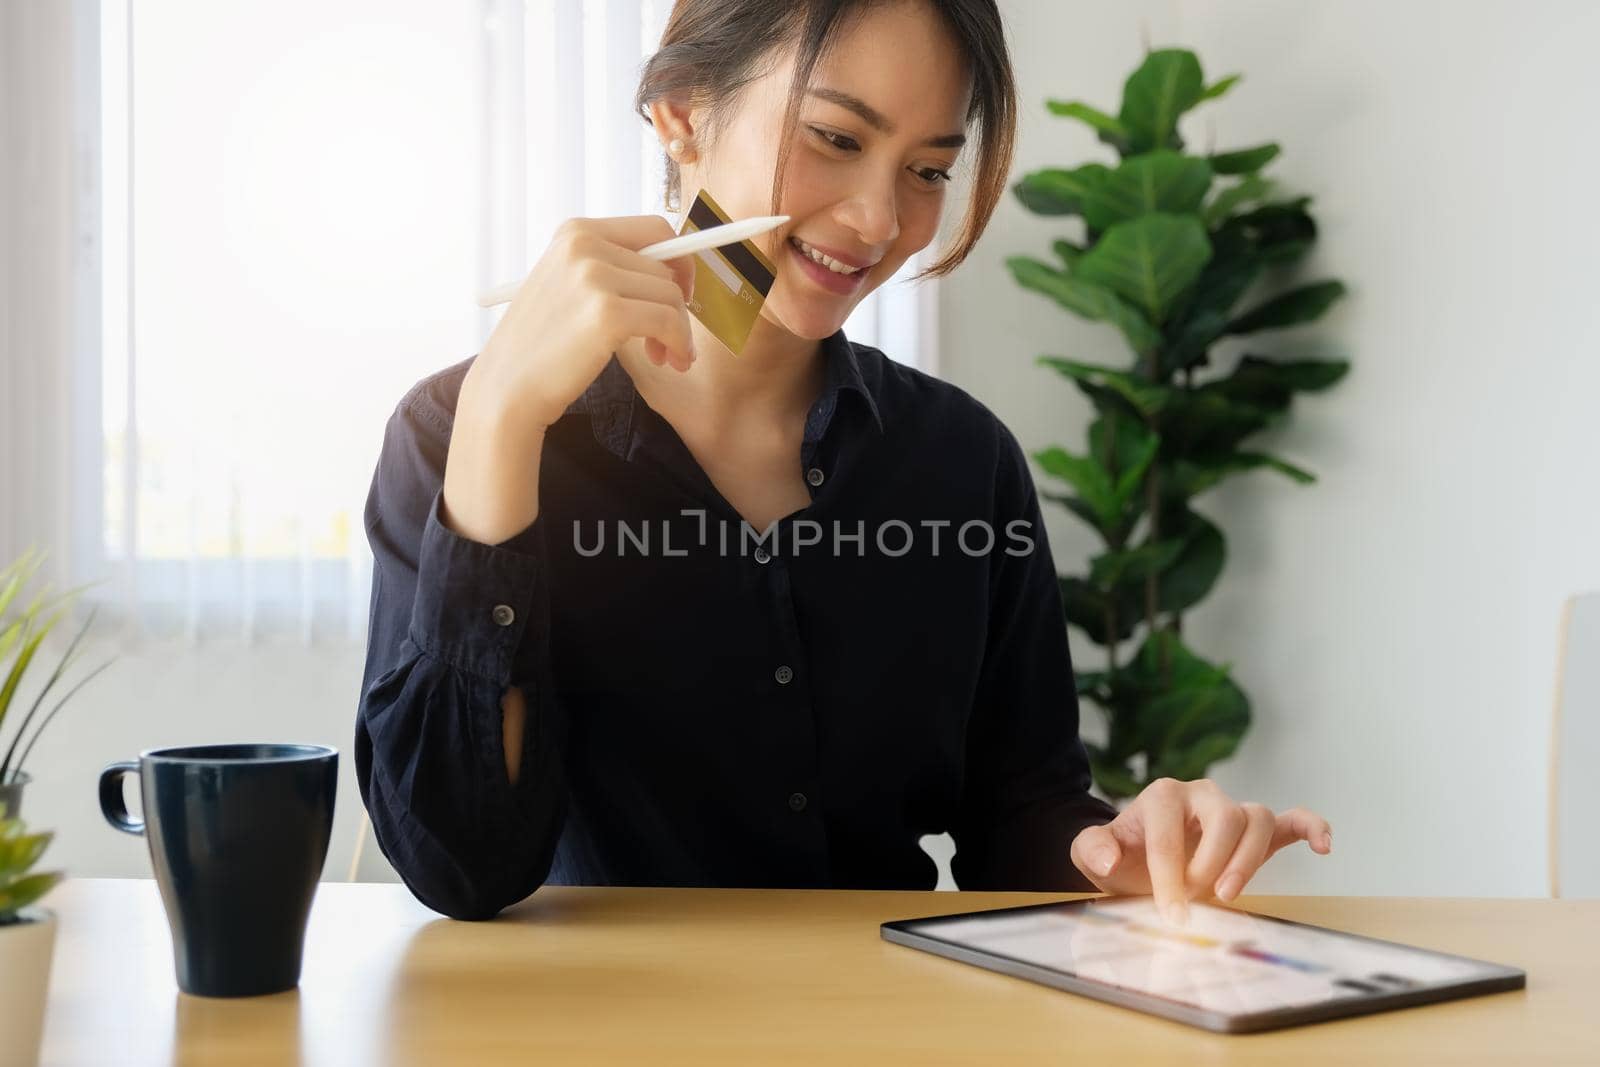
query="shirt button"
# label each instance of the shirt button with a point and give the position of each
(814, 475)
(797, 801)
(762, 555)
(783, 674)
(503, 614)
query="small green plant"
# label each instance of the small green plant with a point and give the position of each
(24, 634)
(19, 851)
(1172, 241)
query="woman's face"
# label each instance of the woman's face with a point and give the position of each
(879, 128)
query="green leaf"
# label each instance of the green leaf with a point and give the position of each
(1133, 564)
(16, 575)
(1114, 779)
(1194, 710)
(1244, 160)
(1258, 460)
(24, 891)
(10, 636)
(1122, 444)
(1218, 88)
(1162, 180)
(1086, 682)
(1105, 493)
(1054, 191)
(1120, 701)
(1242, 249)
(1087, 477)
(1194, 727)
(1267, 383)
(24, 657)
(1163, 662)
(1067, 251)
(1115, 438)
(1108, 401)
(1251, 187)
(1149, 260)
(1085, 607)
(1129, 480)
(19, 853)
(1273, 233)
(1201, 319)
(1194, 476)
(1187, 764)
(1167, 84)
(1111, 129)
(1190, 577)
(1300, 305)
(1078, 506)
(1086, 298)
(1146, 398)
(1200, 422)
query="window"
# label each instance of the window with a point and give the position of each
(298, 205)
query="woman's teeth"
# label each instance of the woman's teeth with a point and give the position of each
(832, 264)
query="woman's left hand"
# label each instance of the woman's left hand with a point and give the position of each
(1180, 840)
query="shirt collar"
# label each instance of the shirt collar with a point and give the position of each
(610, 399)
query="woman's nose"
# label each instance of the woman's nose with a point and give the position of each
(875, 216)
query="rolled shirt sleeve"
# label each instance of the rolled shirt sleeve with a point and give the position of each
(454, 623)
(1026, 788)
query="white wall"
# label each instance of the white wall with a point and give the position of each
(1396, 623)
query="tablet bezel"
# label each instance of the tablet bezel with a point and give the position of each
(1502, 977)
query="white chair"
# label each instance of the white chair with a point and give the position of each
(1575, 753)
(367, 861)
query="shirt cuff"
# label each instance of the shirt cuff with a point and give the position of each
(474, 600)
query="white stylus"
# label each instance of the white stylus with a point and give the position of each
(672, 248)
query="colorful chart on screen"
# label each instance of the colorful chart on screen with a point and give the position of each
(1225, 969)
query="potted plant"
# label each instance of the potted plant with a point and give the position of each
(23, 634)
(1170, 243)
(27, 940)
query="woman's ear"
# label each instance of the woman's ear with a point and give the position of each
(675, 122)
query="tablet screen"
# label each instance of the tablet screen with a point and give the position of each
(1222, 960)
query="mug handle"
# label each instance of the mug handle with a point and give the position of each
(113, 805)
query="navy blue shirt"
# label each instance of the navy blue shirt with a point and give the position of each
(710, 704)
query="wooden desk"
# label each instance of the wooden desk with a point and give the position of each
(705, 976)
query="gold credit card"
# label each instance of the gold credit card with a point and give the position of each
(730, 283)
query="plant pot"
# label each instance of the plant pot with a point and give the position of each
(26, 948)
(11, 793)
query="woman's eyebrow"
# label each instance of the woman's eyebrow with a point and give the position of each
(878, 121)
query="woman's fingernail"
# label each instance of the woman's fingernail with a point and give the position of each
(1327, 840)
(1177, 913)
(1230, 885)
(1103, 861)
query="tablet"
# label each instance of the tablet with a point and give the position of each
(1225, 970)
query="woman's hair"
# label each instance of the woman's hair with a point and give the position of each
(712, 49)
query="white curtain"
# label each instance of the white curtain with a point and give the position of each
(236, 233)
(43, 344)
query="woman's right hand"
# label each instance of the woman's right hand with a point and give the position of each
(588, 293)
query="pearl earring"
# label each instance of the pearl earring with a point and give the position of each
(675, 146)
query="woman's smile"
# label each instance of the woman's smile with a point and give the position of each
(835, 281)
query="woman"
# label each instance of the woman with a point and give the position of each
(649, 612)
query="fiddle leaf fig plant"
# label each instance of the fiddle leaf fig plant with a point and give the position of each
(19, 852)
(1170, 248)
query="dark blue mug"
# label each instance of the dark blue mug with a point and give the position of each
(238, 835)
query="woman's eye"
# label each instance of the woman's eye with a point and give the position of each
(838, 140)
(930, 175)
